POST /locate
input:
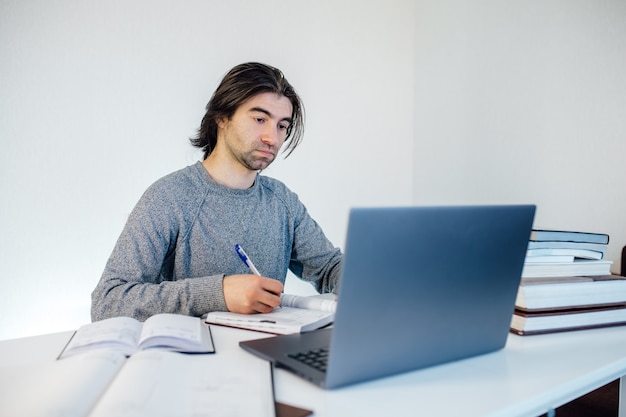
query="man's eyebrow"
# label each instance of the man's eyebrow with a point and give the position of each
(269, 114)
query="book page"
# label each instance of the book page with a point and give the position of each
(322, 302)
(175, 332)
(296, 316)
(227, 384)
(282, 320)
(68, 388)
(117, 333)
(554, 280)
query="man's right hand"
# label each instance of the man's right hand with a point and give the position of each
(249, 294)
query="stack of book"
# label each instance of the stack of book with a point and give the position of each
(555, 253)
(567, 285)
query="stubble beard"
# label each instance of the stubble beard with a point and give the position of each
(253, 163)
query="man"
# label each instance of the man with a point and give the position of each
(177, 253)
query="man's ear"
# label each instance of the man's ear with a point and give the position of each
(221, 121)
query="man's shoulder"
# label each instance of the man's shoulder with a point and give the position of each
(180, 185)
(274, 185)
(281, 192)
(185, 177)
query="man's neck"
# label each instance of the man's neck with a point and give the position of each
(223, 173)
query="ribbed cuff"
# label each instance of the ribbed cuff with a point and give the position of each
(208, 295)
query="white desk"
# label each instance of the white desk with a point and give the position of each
(530, 376)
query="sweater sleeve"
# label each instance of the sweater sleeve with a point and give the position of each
(136, 282)
(314, 258)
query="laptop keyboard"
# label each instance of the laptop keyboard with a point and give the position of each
(315, 358)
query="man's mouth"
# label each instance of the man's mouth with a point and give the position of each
(266, 153)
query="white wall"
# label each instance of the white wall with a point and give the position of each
(98, 98)
(425, 102)
(524, 102)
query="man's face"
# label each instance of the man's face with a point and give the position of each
(253, 136)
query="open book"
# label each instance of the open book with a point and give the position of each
(297, 314)
(186, 386)
(103, 383)
(173, 332)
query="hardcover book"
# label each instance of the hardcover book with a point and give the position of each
(552, 293)
(553, 244)
(578, 267)
(528, 323)
(568, 236)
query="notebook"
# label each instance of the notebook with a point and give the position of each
(420, 286)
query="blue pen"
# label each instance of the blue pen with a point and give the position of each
(244, 257)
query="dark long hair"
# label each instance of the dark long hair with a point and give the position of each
(240, 84)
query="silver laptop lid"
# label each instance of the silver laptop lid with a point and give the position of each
(425, 285)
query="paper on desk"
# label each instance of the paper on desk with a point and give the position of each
(67, 388)
(160, 383)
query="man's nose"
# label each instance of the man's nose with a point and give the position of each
(271, 136)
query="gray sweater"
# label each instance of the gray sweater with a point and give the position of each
(179, 243)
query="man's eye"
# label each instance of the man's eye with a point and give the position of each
(260, 120)
(283, 127)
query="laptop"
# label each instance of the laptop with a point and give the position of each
(420, 286)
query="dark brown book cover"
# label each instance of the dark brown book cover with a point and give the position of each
(568, 311)
(286, 410)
